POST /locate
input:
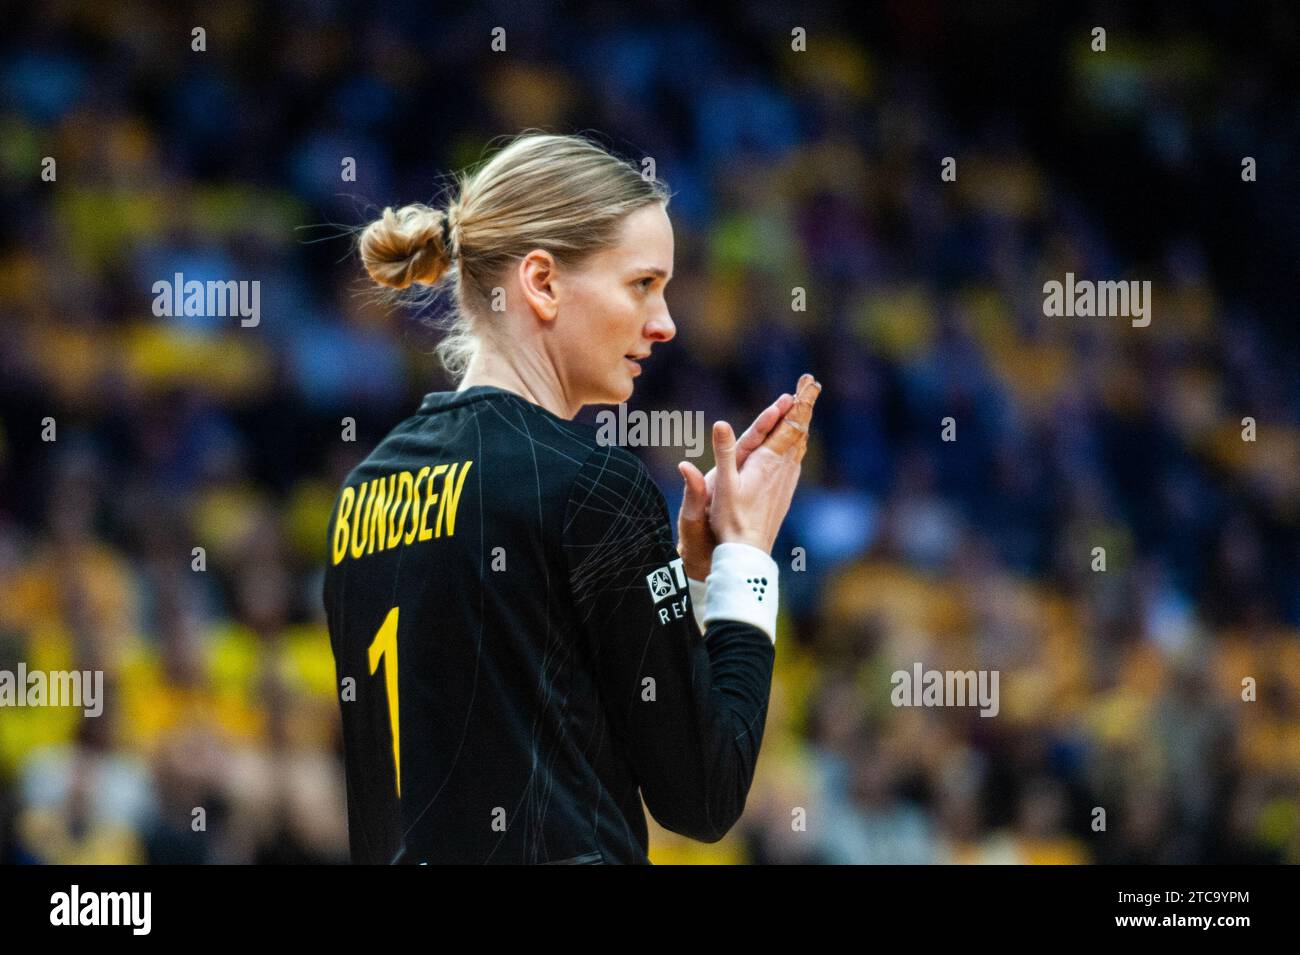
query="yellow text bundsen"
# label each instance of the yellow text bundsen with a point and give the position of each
(386, 512)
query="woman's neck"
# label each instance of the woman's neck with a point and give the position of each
(538, 386)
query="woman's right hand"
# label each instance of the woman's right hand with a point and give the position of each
(750, 503)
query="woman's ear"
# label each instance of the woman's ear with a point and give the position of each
(537, 278)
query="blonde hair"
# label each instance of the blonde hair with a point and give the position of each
(564, 194)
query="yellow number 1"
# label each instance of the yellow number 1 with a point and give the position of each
(384, 647)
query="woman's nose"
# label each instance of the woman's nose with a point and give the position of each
(661, 327)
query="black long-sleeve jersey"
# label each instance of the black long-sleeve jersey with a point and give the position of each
(519, 664)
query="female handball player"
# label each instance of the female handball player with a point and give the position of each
(524, 653)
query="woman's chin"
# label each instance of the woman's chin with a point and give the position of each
(621, 391)
(614, 390)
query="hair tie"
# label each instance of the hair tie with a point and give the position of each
(446, 232)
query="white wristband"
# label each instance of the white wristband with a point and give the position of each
(742, 586)
(699, 596)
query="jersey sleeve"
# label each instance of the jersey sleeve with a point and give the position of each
(689, 707)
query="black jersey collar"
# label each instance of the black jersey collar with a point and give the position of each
(437, 400)
(440, 400)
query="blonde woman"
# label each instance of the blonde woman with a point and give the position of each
(524, 653)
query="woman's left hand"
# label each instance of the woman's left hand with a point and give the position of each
(695, 538)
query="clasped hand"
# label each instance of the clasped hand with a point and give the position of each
(746, 494)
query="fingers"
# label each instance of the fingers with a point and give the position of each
(792, 431)
(695, 496)
(782, 405)
(757, 432)
(781, 426)
(724, 454)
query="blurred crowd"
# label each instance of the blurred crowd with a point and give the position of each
(1122, 735)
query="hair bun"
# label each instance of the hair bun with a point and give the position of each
(407, 246)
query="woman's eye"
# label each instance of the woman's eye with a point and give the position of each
(645, 283)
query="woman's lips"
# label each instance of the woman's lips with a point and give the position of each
(636, 368)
